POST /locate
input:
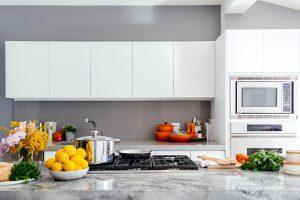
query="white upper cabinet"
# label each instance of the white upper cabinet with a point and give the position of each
(244, 51)
(70, 69)
(281, 50)
(194, 69)
(27, 69)
(111, 69)
(153, 69)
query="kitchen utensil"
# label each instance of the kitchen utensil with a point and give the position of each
(180, 137)
(134, 154)
(69, 175)
(162, 136)
(237, 165)
(166, 127)
(293, 156)
(229, 162)
(99, 149)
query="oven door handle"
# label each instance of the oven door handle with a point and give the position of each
(259, 135)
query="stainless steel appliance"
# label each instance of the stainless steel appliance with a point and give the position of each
(266, 96)
(251, 136)
(99, 149)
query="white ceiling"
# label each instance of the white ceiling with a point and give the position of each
(110, 2)
(295, 4)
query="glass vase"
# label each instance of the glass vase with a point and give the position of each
(26, 155)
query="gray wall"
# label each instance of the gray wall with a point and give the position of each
(264, 16)
(126, 120)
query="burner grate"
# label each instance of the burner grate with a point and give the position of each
(156, 162)
(125, 163)
(173, 162)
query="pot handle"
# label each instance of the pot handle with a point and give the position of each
(117, 141)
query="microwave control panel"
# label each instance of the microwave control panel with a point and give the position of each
(287, 97)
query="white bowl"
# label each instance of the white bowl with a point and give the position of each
(69, 175)
(293, 156)
(291, 169)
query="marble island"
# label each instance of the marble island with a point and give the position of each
(153, 185)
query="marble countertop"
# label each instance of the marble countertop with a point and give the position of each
(154, 145)
(171, 184)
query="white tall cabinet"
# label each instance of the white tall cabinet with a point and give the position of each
(111, 69)
(27, 69)
(281, 50)
(153, 69)
(194, 69)
(244, 50)
(69, 69)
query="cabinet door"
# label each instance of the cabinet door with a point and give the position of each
(194, 69)
(244, 50)
(111, 69)
(27, 69)
(215, 154)
(152, 69)
(70, 69)
(281, 50)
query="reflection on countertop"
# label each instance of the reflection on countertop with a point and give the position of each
(170, 184)
(154, 145)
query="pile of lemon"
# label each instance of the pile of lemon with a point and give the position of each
(68, 159)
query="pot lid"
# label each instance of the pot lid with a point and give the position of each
(95, 138)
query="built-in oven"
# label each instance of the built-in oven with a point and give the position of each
(250, 137)
(258, 95)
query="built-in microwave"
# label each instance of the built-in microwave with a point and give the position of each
(263, 95)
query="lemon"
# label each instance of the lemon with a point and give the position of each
(78, 167)
(61, 150)
(81, 152)
(69, 166)
(77, 159)
(61, 157)
(70, 150)
(49, 162)
(56, 166)
(84, 164)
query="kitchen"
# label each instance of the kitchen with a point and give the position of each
(172, 83)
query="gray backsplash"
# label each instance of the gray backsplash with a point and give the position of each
(127, 120)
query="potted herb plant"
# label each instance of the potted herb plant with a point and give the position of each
(69, 131)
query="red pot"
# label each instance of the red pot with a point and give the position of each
(180, 137)
(162, 136)
(165, 127)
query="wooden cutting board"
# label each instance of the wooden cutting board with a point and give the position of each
(237, 165)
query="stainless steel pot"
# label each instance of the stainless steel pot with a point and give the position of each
(99, 149)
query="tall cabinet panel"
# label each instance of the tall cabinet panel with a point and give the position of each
(153, 69)
(70, 69)
(111, 69)
(244, 50)
(194, 69)
(27, 69)
(281, 50)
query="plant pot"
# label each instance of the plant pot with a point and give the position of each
(70, 136)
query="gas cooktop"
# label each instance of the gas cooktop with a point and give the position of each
(155, 162)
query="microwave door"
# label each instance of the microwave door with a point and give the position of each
(258, 97)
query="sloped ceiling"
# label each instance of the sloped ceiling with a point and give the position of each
(294, 4)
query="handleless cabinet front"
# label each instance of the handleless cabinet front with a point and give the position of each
(153, 69)
(70, 69)
(194, 69)
(27, 69)
(111, 69)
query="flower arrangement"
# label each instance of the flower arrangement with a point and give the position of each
(24, 138)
